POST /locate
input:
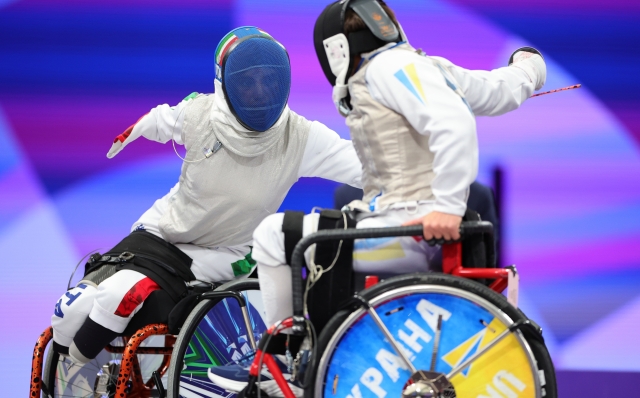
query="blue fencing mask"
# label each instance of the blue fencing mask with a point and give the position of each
(255, 75)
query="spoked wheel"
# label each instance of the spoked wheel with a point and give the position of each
(98, 378)
(214, 334)
(461, 339)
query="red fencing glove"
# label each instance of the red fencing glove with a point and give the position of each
(124, 139)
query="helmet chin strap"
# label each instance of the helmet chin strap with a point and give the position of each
(340, 92)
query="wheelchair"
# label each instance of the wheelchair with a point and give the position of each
(431, 335)
(149, 361)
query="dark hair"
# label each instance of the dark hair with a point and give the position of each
(353, 22)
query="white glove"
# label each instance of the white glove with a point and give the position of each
(532, 63)
(129, 135)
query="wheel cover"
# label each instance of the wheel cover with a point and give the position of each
(363, 364)
(219, 339)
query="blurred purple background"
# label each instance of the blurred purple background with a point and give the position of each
(74, 74)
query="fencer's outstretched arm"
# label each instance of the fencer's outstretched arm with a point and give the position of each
(330, 157)
(492, 93)
(416, 88)
(161, 124)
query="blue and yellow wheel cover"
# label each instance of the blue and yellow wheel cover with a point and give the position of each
(364, 364)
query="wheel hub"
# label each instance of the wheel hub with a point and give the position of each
(105, 384)
(424, 384)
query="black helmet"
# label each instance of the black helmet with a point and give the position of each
(336, 52)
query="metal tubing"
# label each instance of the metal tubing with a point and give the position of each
(131, 348)
(451, 257)
(389, 337)
(475, 356)
(243, 307)
(37, 361)
(226, 294)
(499, 285)
(475, 273)
(247, 322)
(277, 375)
(436, 345)
(297, 257)
(141, 350)
(162, 369)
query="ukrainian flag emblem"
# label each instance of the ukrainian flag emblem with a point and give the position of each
(409, 78)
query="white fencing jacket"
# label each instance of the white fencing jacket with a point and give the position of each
(211, 221)
(430, 97)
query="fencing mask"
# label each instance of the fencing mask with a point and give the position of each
(255, 75)
(336, 52)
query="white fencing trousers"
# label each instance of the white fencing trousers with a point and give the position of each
(118, 298)
(112, 304)
(397, 255)
(215, 264)
(70, 312)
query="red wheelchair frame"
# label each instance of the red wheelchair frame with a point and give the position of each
(451, 264)
(130, 382)
(130, 366)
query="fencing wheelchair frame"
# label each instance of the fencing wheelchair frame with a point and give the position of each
(129, 368)
(478, 344)
(509, 327)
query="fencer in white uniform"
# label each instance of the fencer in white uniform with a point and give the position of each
(244, 150)
(412, 121)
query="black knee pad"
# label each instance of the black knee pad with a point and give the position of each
(92, 338)
(60, 349)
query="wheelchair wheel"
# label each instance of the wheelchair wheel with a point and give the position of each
(356, 360)
(214, 334)
(98, 377)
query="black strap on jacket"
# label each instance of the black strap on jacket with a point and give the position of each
(152, 256)
(292, 228)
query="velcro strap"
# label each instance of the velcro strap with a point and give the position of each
(292, 228)
(330, 214)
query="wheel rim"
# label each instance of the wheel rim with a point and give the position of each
(345, 368)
